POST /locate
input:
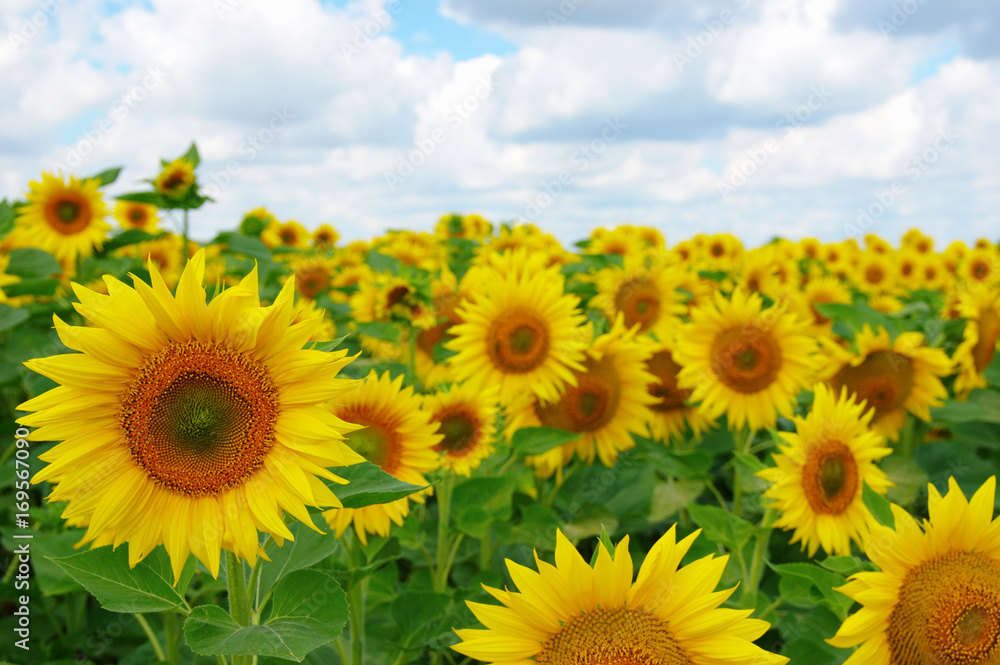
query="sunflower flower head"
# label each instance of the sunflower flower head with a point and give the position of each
(65, 218)
(176, 180)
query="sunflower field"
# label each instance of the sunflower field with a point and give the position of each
(481, 445)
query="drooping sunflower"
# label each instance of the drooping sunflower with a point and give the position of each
(191, 424)
(66, 219)
(571, 613)
(644, 292)
(670, 413)
(819, 474)
(466, 417)
(892, 377)
(175, 180)
(981, 309)
(520, 332)
(744, 361)
(607, 402)
(398, 436)
(936, 597)
(134, 215)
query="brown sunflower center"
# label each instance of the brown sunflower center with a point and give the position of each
(68, 213)
(948, 612)
(461, 430)
(830, 478)
(396, 295)
(717, 250)
(874, 274)
(137, 216)
(619, 636)
(518, 342)
(175, 183)
(377, 442)
(312, 282)
(989, 332)
(287, 236)
(589, 405)
(747, 359)
(639, 301)
(883, 380)
(980, 270)
(662, 366)
(199, 418)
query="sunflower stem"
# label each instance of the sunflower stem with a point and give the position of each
(906, 443)
(759, 551)
(746, 436)
(172, 637)
(486, 548)
(184, 247)
(356, 598)
(444, 513)
(146, 628)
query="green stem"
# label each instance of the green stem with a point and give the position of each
(485, 549)
(747, 436)
(239, 601)
(172, 637)
(906, 444)
(444, 513)
(770, 608)
(253, 590)
(341, 651)
(157, 649)
(759, 551)
(184, 247)
(357, 595)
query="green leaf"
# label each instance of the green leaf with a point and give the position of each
(309, 548)
(6, 218)
(413, 611)
(130, 237)
(676, 464)
(241, 244)
(32, 287)
(591, 519)
(855, 316)
(843, 565)
(714, 275)
(148, 587)
(326, 347)
(388, 332)
(31, 262)
(721, 526)
(808, 576)
(11, 316)
(368, 485)
(151, 198)
(981, 406)
(879, 507)
(192, 155)
(671, 496)
(537, 440)
(109, 176)
(309, 609)
(382, 263)
(441, 354)
(479, 501)
(592, 263)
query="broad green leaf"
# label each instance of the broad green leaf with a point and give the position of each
(108, 176)
(326, 347)
(148, 587)
(31, 262)
(675, 464)
(590, 519)
(949, 459)
(879, 506)
(151, 198)
(368, 485)
(6, 218)
(414, 611)
(32, 287)
(11, 316)
(843, 565)
(721, 526)
(981, 406)
(382, 263)
(810, 575)
(537, 440)
(478, 501)
(388, 332)
(241, 244)
(855, 316)
(309, 609)
(671, 496)
(192, 155)
(130, 237)
(309, 548)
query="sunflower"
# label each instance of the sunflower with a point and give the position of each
(744, 361)
(66, 219)
(398, 436)
(313, 275)
(255, 221)
(607, 402)
(822, 290)
(981, 266)
(5, 279)
(819, 474)
(572, 613)
(936, 597)
(981, 309)
(446, 299)
(189, 424)
(134, 215)
(466, 418)
(520, 332)
(645, 294)
(669, 414)
(874, 273)
(289, 234)
(892, 377)
(164, 252)
(325, 237)
(389, 296)
(722, 251)
(175, 180)
(619, 240)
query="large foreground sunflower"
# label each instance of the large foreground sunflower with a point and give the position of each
(936, 599)
(521, 333)
(892, 377)
(188, 423)
(570, 613)
(66, 219)
(744, 361)
(398, 436)
(819, 474)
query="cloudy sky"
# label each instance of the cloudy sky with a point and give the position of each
(824, 118)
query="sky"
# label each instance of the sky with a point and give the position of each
(762, 118)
